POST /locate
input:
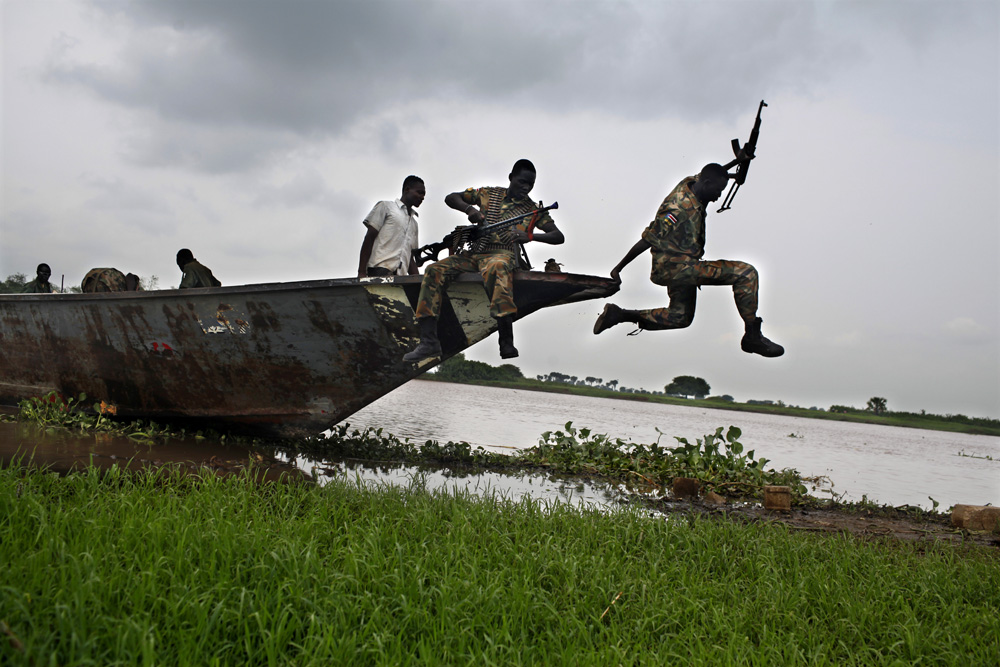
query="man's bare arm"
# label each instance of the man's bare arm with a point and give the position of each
(640, 247)
(366, 252)
(551, 235)
(455, 201)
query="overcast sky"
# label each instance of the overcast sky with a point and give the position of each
(259, 134)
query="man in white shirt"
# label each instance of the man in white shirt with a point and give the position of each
(392, 234)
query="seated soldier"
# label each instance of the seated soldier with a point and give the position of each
(41, 284)
(195, 273)
(495, 256)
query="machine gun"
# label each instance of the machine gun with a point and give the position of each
(462, 237)
(743, 157)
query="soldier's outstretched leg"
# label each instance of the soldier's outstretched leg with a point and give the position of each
(755, 343)
(613, 315)
(429, 345)
(505, 329)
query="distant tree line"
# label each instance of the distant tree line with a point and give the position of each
(13, 284)
(460, 369)
(879, 406)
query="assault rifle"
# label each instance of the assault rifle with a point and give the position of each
(743, 157)
(464, 236)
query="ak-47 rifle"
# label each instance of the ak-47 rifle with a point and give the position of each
(464, 236)
(743, 157)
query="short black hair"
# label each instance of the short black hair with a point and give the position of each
(411, 181)
(523, 165)
(43, 266)
(184, 256)
(714, 171)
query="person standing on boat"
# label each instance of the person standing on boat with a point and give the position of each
(392, 234)
(41, 284)
(495, 256)
(195, 273)
(676, 239)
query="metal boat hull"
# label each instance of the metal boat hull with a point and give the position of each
(280, 359)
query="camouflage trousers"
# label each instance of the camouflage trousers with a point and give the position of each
(496, 268)
(682, 280)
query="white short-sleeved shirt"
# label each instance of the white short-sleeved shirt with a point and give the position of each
(397, 236)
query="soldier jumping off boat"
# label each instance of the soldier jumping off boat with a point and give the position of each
(676, 240)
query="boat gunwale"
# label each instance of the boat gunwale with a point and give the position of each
(257, 288)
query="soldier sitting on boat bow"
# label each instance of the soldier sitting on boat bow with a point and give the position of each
(494, 255)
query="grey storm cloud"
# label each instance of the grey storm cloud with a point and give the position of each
(225, 85)
(317, 66)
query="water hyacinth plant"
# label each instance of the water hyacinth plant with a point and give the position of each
(717, 460)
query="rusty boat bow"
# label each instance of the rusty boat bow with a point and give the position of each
(277, 359)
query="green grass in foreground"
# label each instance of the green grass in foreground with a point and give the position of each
(156, 568)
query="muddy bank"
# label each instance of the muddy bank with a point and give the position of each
(64, 451)
(876, 523)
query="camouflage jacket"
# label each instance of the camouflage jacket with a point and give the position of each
(481, 197)
(198, 275)
(678, 231)
(35, 287)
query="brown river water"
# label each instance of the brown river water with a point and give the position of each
(888, 465)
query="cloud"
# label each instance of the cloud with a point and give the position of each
(848, 339)
(203, 75)
(968, 330)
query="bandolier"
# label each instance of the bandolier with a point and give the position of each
(501, 240)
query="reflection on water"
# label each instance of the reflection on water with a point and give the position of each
(62, 451)
(888, 464)
(545, 488)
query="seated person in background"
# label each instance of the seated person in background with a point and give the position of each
(110, 280)
(392, 234)
(41, 284)
(195, 273)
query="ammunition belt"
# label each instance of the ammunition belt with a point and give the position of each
(484, 248)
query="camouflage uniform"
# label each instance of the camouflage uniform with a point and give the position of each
(677, 240)
(105, 280)
(36, 287)
(198, 275)
(496, 265)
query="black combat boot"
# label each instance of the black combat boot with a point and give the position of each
(429, 345)
(505, 328)
(755, 343)
(613, 315)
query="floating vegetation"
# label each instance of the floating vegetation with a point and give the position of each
(57, 411)
(717, 460)
(975, 456)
